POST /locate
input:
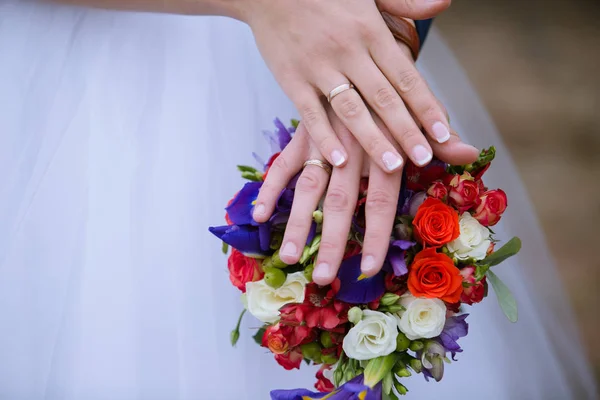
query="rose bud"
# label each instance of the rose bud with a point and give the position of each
(438, 190)
(274, 340)
(473, 291)
(493, 204)
(464, 192)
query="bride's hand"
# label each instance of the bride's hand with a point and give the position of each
(341, 193)
(313, 47)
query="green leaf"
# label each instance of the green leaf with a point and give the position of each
(252, 176)
(511, 248)
(225, 248)
(295, 123)
(259, 335)
(507, 302)
(388, 382)
(246, 168)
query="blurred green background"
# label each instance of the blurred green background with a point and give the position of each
(536, 65)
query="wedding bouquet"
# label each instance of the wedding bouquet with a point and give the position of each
(369, 334)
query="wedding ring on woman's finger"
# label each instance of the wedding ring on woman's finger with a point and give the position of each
(318, 163)
(339, 89)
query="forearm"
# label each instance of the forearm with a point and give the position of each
(229, 8)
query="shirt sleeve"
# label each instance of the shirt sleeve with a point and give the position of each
(423, 27)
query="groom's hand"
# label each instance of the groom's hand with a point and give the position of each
(413, 9)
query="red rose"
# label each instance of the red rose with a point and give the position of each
(473, 291)
(275, 340)
(435, 223)
(290, 360)
(433, 275)
(493, 204)
(243, 269)
(323, 384)
(319, 310)
(438, 190)
(396, 284)
(419, 179)
(464, 192)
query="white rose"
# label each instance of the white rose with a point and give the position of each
(422, 318)
(374, 336)
(474, 239)
(264, 301)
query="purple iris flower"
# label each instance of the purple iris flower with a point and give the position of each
(455, 328)
(244, 238)
(396, 256)
(283, 134)
(355, 291)
(311, 233)
(240, 209)
(352, 390)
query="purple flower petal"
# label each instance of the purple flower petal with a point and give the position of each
(415, 202)
(245, 238)
(240, 209)
(279, 218)
(311, 233)
(283, 135)
(356, 291)
(286, 198)
(397, 256)
(264, 236)
(296, 394)
(455, 328)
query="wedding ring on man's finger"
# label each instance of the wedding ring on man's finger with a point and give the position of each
(318, 163)
(339, 89)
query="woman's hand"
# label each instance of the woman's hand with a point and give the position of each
(341, 193)
(314, 46)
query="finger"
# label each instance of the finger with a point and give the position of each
(455, 151)
(354, 114)
(414, 9)
(408, 82)
(284, 168)
(385, 101)
(318, 126)
(338, 210)
(380, 212)
(309, 190)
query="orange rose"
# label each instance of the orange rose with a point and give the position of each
(436, 223)
(434, 275)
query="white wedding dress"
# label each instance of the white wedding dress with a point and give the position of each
(119, 136)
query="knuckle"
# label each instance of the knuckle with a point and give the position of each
(310, 116)
(349, 108)
(308, 181)
(386, 97)
(281, 164)
(379, 201)
(410, 135)
(374, 145)
(328, 246)
(337, 200)
(407, 81)
(430, 112)
(293, 226)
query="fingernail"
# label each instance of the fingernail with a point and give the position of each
(337, 157)
(259, 210)
(289, 249)
(391, 161)
(441, 133)
(368, 265)
(421, 155)
(322, 272)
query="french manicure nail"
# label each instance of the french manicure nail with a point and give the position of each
(321, 271)
(337, 157)
(391, 161)
(368, 264)
(289, 249)
(259, 210)
(441, 133)
(421, 155)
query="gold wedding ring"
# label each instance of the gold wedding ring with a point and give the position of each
(338, 90)
(318, 163)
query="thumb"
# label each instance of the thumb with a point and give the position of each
(413, 9)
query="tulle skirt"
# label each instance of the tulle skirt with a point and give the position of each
(119, 136)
